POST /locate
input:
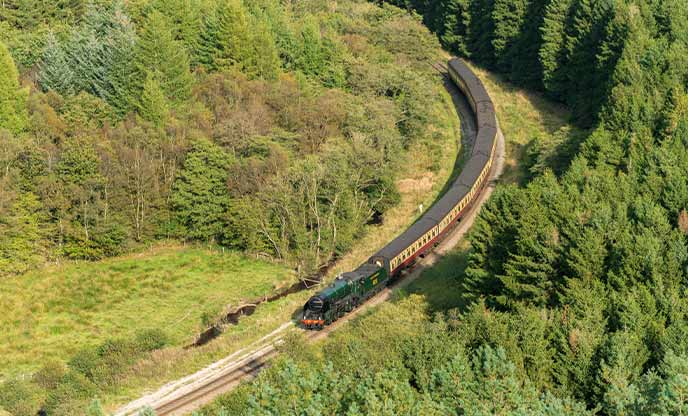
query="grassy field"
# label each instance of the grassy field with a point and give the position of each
(440, 285)
(51, 313)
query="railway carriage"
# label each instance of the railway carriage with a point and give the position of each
(351, 289)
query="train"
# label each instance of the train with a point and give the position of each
(351, 289)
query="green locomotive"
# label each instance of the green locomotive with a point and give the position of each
(347, 292)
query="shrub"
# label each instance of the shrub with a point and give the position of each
(104, 364)
(151, 339)
(114, 357)
(147, 412)
(84, 361)
(50, 375)
(19, 398)
(73, 390)
(95, 409)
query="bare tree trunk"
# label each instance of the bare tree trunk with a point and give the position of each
(265, 232)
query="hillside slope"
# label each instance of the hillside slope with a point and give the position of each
(572, 300)
(325, 158)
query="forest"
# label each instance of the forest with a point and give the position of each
(247, 125)
(574, 286)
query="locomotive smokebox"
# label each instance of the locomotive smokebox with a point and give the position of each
(315, 304)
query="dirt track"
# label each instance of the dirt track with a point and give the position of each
(190, 393)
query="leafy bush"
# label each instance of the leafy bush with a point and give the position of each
(104, 364)
(49, 376)
(151, 339)
(73, 391)
(19, 398)
(84, 361)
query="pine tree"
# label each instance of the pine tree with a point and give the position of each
(226, 36)
(311, 59)
(158, 54)
(207, 42)
(13, 113)
(55, 71)
(674, 118)
(633, 97)
(153, 105)
(553, 52)
(264, 61)
(585, 77)
(525, 63)
(585, 257)
(200, 198)
(672, 17)
(456, 22)
(100, 54)
(121, 72)
(317, 56)
(28, 14)
(21, 235)
(508, 17)
(186, 21)
(482, 32)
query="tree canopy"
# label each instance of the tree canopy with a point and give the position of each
(13, 112)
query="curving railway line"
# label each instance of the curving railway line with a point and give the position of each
(352, 289)
(434, 234)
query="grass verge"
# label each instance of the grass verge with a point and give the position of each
(524, 116)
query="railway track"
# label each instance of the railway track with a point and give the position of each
(201, 388)
(224, 382)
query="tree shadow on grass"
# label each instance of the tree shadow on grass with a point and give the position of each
(442, 284)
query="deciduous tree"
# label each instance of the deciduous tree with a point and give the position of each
(13, 113)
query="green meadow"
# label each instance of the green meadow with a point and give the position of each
(51, 313)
